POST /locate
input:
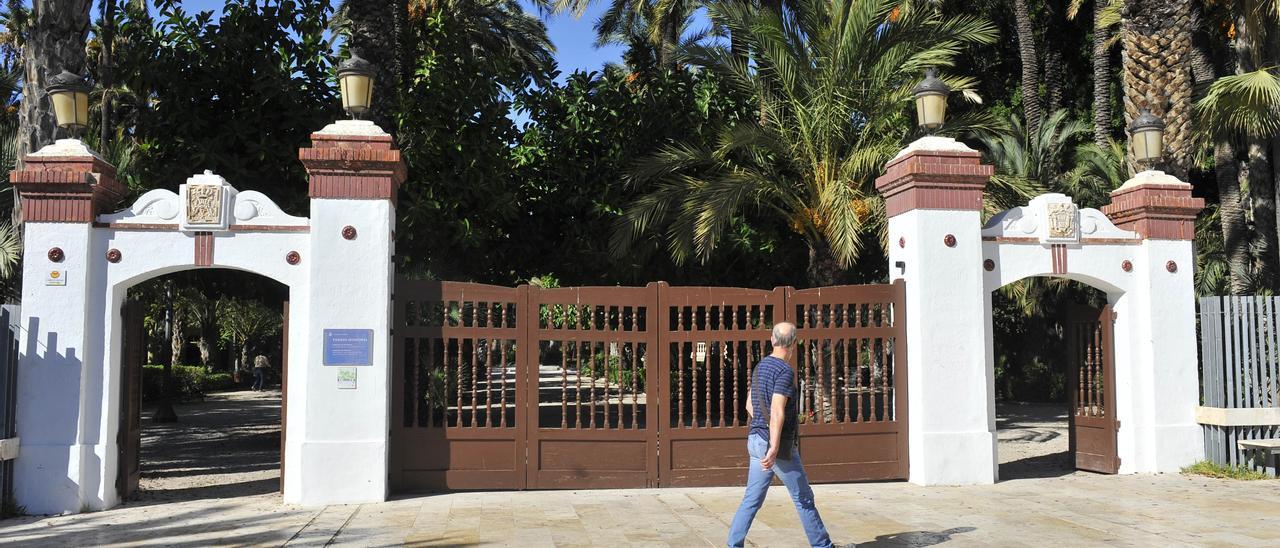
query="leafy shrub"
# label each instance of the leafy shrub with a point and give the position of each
(189, 382)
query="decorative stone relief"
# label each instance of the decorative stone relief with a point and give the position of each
(1054, 219)
(206, 202)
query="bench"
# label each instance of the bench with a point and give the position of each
(1268, 448)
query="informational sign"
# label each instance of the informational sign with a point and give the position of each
(348, 346)
(56, 277)
(347, 378)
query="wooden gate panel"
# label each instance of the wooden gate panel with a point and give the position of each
(851, 370)
(1091, 390)
(459, 419)
(589, 365)
(129, 439)
(712, 339)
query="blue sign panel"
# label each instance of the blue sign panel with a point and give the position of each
(348, 347)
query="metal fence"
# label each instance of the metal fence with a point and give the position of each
(8, 396)
(1240, 369)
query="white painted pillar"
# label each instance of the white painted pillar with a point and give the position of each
(61, 422)
(933, 194)
(1162, 345)
(340, 444)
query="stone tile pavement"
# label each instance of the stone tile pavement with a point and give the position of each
(1071, 510)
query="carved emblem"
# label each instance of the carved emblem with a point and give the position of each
(204, 204)
(1062, 220)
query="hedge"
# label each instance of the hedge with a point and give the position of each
(190, 381)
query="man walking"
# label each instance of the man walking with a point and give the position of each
(772, 442)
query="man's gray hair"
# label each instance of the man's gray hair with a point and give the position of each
(784, 334)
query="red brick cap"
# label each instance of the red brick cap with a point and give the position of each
(1155, 211)
(66, 188)
(934, 179)
(353, 166)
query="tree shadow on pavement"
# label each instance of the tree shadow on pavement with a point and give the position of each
(915, 538)
(1053, 465)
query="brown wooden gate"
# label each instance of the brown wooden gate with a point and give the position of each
(597, 387)
(1091, 390)
(129, 436)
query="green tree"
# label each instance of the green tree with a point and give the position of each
(244, 323)
(838, 76)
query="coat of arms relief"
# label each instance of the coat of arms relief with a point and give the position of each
(1062, 220)
(204, 203)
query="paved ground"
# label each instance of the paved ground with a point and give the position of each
(1045, 504)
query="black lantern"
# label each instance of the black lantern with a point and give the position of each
(1146, 133)
(70, 96)
(355, 80)
(931, 100)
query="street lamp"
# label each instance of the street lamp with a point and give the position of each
(355, 80)
(1146, 132)
(931, 100)
(70, 95)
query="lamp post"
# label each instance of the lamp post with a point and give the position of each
(1146, 134)
(355, 81)
(931, 100)
(70, 95)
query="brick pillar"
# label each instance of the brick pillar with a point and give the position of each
(337, 439)
(933, 194)
(64, 448)
(1165, 392)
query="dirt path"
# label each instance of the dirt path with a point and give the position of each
(225, 446)
(1033, 440)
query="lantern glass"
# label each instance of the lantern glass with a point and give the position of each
(71, 108)
(931, 110)
(357, 92)
(1152, 145)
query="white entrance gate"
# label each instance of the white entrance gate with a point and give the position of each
(79, 262)
(1138, 252)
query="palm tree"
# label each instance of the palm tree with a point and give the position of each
(375, 31)
(1240, 114)
(663, 21)
(1029, 161)
(1106, 17)
(1030, 65)
(55, 41)
(1156, 61)
(839, 76)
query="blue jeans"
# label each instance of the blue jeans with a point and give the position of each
(791, 472)
(259, 377)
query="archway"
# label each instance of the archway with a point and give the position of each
(196, 424)
(1138, 252)
(1051, 360)
(336, 264)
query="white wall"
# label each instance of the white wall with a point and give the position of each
(950, 402)
(345, 446)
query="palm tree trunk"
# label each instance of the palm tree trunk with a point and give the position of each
(1156, 61)
(1054, 94)
(55, 42)
(1235, 235)
(1031, 107)
(823, 268)
(104, 69)
(370, 39)
(1262, 189)
(1101, 79)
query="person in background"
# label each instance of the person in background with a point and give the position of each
(260, 366)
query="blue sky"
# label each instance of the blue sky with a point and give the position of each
(573, 38)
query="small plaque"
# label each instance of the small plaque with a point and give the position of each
(348, 346)
(346, 378)
(56, 277)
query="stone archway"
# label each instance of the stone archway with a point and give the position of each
(79, 261)
(1137, 250)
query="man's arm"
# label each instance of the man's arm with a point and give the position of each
(751, 413)
(777, 414)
